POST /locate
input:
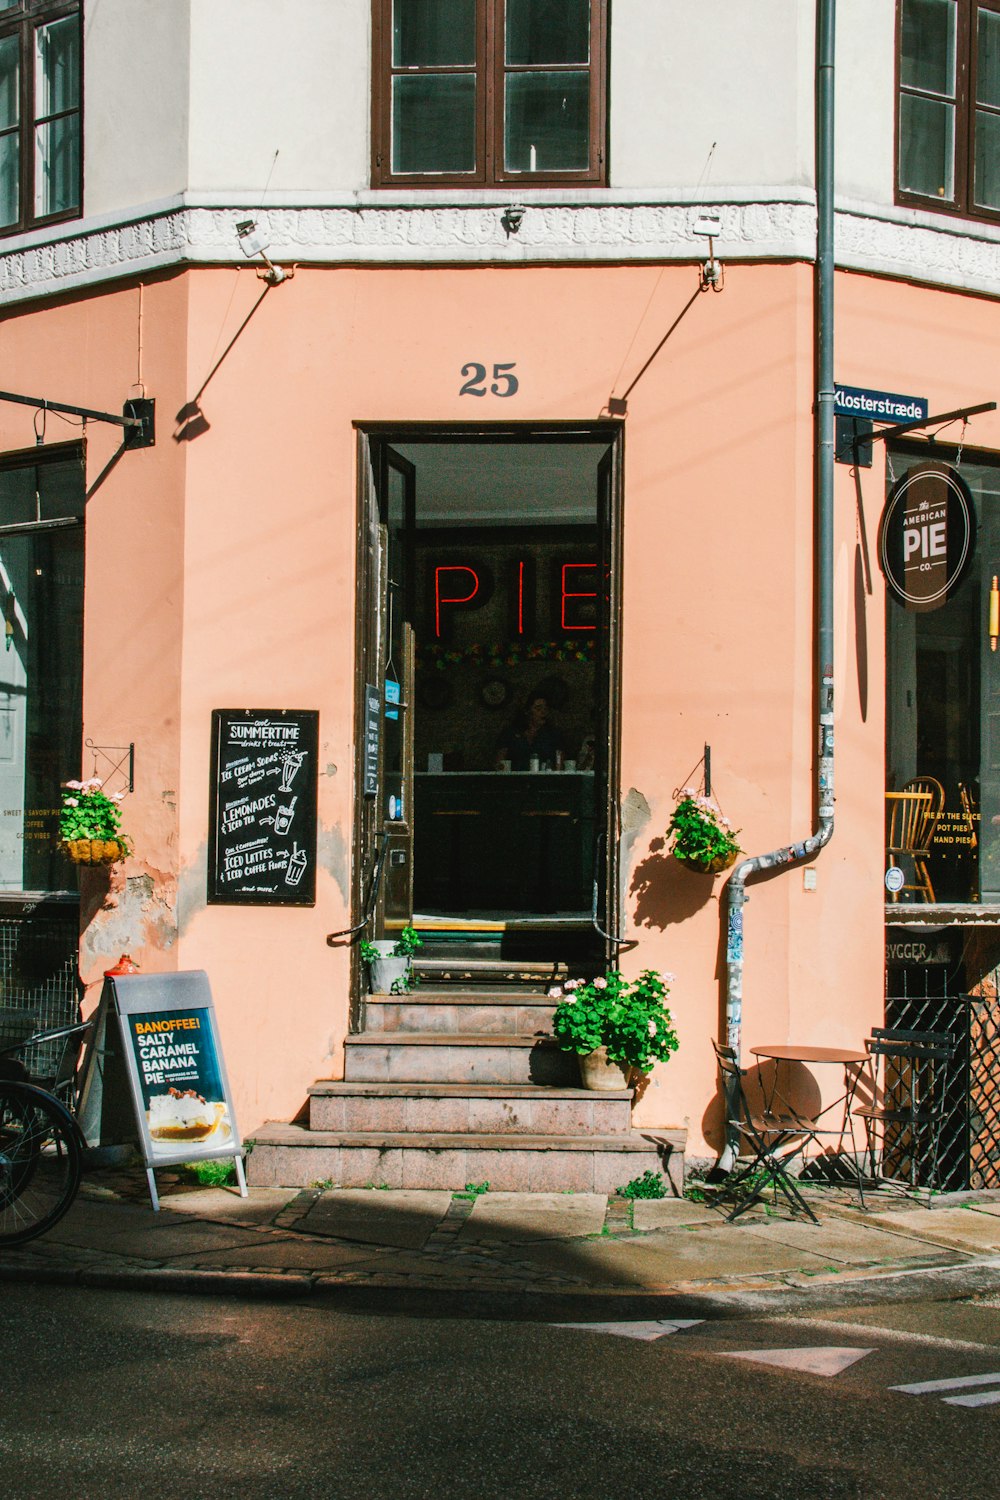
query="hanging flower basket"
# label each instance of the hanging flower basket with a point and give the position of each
(703, 839)
(90, 824)
(93, 851)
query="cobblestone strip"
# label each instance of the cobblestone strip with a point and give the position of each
(618, 1215)
(443, 1237)
(297, 1209)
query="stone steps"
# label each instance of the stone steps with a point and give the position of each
(461, 1082)
(469, 1109)
(463, 1012)
(292, 1156)
(456, 1057)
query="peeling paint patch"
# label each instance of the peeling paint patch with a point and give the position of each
(635, 817)
(141, 913)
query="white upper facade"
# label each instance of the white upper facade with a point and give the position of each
(200, 113)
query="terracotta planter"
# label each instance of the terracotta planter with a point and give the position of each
(707, 866)
(597, 1073)
(93, 851)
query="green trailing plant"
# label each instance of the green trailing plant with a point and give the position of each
(405, 946)
(701, 834)
(87, 812)
(649, 1185)
(628, 1017)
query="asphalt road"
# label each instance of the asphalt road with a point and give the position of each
(107, 1394)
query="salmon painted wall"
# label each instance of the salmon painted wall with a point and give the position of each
(221, 574)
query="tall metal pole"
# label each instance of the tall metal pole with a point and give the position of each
(823, 418)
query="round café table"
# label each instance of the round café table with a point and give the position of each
(851, 1060)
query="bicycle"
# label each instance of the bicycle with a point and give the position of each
(41, 1144)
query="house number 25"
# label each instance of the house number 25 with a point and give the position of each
(504, 382)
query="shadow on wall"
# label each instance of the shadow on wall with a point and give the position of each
(665, 892)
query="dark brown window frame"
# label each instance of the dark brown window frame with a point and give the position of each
(489, 71)
(961, 206)
(22, 20)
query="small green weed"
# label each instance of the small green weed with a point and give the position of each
(649, 1185)
(322, 1184)
(472, 1191)
(213, 1173)
(695, 1193)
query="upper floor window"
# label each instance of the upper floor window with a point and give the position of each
(948, 126)
(489, 91)
(40, 112)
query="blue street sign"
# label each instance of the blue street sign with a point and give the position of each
(878, 406)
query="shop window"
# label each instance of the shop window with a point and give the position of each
(948, 120)
(41, 659)
(943, 705)
(489, 91)
(41, 94)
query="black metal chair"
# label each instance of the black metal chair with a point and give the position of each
(773, 1139)
(906, 1119)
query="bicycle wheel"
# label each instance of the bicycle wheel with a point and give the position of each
(40, 1162)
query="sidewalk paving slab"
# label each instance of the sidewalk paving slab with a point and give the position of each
(521, 1218)
(401, 1216)
(957, 1228)
(670, 1213)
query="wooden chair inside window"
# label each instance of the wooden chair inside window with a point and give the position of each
(913, 814)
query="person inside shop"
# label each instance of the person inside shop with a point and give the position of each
(530, 737)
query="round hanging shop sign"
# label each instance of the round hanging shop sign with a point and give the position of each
(927, 536)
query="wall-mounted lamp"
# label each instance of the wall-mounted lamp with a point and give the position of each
(709, 227)
(253, 244)
(511, 218)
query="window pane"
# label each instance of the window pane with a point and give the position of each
(926, 147)
(10, 173)
(988, 58)
(987, 169)
(57, 165)
(433, 33)
(548, 31)
(434, 123)
(928, 46)
(41, 602)
(57, 67)
(10, 82)
(547, 122)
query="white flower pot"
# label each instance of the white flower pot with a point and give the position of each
(388, 969)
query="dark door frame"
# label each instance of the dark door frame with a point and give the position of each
(372, 440)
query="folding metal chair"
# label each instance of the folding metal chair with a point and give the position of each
(910, 1101)
(768, 1135)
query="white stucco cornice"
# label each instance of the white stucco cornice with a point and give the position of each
(412, 229)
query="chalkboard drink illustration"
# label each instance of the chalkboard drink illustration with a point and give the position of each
(263, 810)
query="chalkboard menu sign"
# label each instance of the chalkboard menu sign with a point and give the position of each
(262, 833)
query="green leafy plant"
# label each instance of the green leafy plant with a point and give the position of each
(700, 832)
(213, 1173)
(405, 946)
(87, 812)
(649, 1185)
(628, 1017)
(472, 1191)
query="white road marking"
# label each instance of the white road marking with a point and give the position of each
(647, 1331)
(922, 1387)
(819, 1361)
(985, 1398)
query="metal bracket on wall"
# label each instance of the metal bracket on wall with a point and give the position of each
(120, 759)
(138, 418)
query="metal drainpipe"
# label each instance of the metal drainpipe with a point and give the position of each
(736, 897)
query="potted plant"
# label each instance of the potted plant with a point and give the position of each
(90, 824)
(703, 838)
(390, 962)
(617, 1027)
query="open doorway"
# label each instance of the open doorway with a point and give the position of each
(489, 598)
